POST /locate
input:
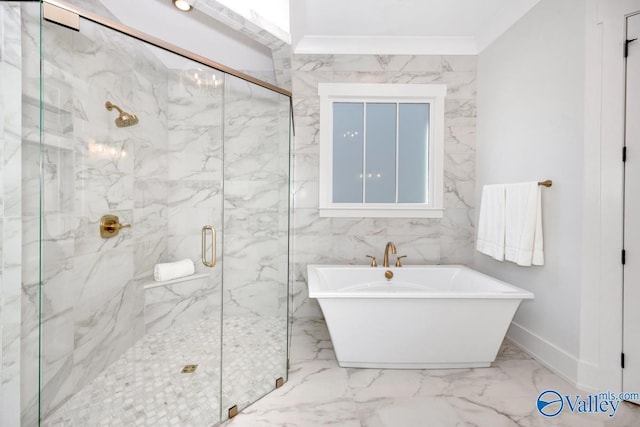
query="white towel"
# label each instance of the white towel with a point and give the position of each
(523, 224)
(173, 270)
(491, 221)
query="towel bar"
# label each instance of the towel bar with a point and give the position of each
(547, 183)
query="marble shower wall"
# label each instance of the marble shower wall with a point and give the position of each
(256, 184)
(194, 188)
(346, 240)
(164, 177)
(92, 303)
(10, 211)
(256, 195)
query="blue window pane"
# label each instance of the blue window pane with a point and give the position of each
(380, 159)
(413, 153)
(348, 126)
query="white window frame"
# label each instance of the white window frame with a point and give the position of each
(432, 94)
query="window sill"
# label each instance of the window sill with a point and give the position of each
(381, 213)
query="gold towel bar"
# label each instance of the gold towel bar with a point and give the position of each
(547, 183)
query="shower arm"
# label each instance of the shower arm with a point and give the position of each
(110, 107)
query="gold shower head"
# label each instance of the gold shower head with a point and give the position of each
(124, 119)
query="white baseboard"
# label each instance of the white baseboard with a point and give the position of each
(551, 356)
(588, 374)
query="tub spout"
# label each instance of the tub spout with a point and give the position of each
(391, 245)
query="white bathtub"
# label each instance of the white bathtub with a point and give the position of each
(445, 316)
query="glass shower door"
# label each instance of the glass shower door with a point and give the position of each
(256, 223)
(148, 158)
(134, 132)
(19, 45)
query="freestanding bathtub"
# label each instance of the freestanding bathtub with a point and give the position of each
(444, 316)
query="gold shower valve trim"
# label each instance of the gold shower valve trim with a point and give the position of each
(110, 226)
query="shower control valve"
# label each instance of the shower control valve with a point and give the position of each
(110, 226)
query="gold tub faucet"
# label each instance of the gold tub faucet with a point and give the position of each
(385, 261)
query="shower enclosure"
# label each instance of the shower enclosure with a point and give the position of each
(193, 160)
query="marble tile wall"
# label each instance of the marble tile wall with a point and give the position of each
(181, 303)
(92, 304)
(346, 240)
(256, 194)
(194, 187)
(162, 176)
(195, 162)
(255, 198)
(30, 220)
(10, 212)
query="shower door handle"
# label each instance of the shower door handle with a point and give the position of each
(212, 262)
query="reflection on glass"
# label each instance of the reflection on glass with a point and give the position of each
(381, 154)
(348, 121)
(413, 153)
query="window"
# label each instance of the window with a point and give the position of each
(381, 150)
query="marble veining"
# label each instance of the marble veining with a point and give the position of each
(163, 176)
(145, 386)
(92, 312)
(320, 393)
(178, 304)
(347, 240)
(255, 240)
(10, 212)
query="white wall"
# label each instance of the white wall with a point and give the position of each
(531, 84)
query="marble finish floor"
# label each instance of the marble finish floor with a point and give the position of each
(145, 386)
(320, 393)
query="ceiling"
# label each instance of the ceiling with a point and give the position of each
(401, 26)
(204, 36)
(411, 27)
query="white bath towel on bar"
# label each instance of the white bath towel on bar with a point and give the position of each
(173, 270)
(491, 222)
(523, 221)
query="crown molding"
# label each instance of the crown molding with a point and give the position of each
(379, 45)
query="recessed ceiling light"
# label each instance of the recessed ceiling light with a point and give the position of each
(182, 5)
